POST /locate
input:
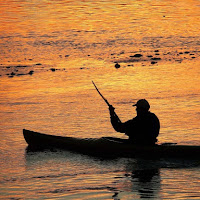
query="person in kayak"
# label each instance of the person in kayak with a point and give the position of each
(142, 129)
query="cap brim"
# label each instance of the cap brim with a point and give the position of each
(134, 105)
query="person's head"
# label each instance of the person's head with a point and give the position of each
(142, 106)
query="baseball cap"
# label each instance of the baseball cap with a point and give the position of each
(142, 103)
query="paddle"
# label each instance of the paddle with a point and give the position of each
(109, 105)
(101, 95)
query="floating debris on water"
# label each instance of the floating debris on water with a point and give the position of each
(117, 65)
(31, 72)
(156, 55)
(155, 58)
(53, 69)
(136, 55)
(20, 74)
(153, 62)
(132, 58)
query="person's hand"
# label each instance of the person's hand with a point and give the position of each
(111, 109)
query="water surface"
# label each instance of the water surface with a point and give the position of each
(50, 51)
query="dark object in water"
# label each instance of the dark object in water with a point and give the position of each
(108, 146)
(31, 72)
(117, 66)
(53, 69)
(137, 55)
(155, 58)
(153, 62)
(20, 74)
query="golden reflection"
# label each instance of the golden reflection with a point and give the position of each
(135, 18)
(83, 40)
(46, 30)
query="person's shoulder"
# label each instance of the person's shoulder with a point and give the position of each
(153, 115)
(154, 118)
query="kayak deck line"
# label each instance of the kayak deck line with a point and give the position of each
(105, 146)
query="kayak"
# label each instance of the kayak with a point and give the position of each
(108, 146)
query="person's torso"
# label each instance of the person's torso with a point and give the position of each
(143, 129)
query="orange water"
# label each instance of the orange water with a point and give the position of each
(82, 40)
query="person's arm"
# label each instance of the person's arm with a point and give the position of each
(115, 121)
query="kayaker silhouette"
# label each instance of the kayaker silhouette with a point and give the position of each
(142, 129)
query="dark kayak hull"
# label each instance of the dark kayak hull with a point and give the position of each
(108, 146)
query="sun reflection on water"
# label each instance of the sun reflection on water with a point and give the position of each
(50, 51)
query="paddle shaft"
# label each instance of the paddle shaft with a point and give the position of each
(101, 94)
